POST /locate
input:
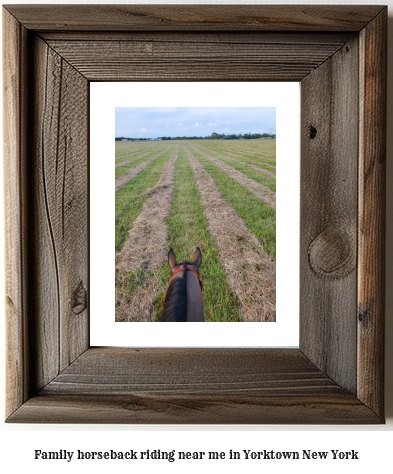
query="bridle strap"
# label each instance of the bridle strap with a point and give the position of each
(187, 268)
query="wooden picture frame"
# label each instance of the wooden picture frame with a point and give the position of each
(338, 54)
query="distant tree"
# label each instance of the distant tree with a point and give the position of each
(214, 136)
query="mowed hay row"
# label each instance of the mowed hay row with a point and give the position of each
(259, 217)
(129, 158)
(139, 263)
(258, 152)
(188, 229)
(142, 271)
(264, 164)
(125, 147)
(261, 184)
(123, 167)
(131, 197)
(250, 271)
(127, 173)
(257, 146)
(267, 160)
(133, 150)
(121, 147)
(242, 164)
(238, 267)
(263, 161)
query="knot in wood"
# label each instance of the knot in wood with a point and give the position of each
(80, 299)
(330, 254)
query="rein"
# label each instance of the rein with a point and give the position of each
(184, 269)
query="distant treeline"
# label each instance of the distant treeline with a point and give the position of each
(119, 139)
(213, 136)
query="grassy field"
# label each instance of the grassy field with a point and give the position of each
(215, 194)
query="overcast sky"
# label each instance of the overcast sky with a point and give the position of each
(152, 122)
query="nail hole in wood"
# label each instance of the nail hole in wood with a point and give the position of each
(313, 132)
(363, 315)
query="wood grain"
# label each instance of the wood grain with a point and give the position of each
(188, 60)
(195, 386)
(194, 409)
(200, 18)
(200, 37)
(372, 169)
(329, 170)
(14, 71)
(60, 221)
(339, 55)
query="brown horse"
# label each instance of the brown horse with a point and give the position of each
(183, 300)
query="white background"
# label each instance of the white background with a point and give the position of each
(104, 97)
(374, 443)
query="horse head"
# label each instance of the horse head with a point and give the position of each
(184, 301)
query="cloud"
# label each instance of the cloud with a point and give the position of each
(181, 121)
(217, 122)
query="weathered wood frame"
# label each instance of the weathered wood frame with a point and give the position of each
(338, 54)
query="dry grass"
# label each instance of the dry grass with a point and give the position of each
(250, 271)
(144, 252)
(243, 154)
(247, 163)
(264, 193)
(126, 178)
(261, 170)
(137, 157)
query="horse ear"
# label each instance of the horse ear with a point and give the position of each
(197, 260)
(171, 258)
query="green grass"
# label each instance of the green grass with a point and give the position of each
(187, 229)
(252, 173)
(259, 218)
(129, 202)
(188, 226)
(130, 154)
(124, 169)
(130, 281)
(243, 158)
(259, 159)
(246, 156)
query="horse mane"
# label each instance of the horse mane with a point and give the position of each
(175, 303)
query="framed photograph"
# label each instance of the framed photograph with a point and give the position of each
(52, 57)
(225, 203)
